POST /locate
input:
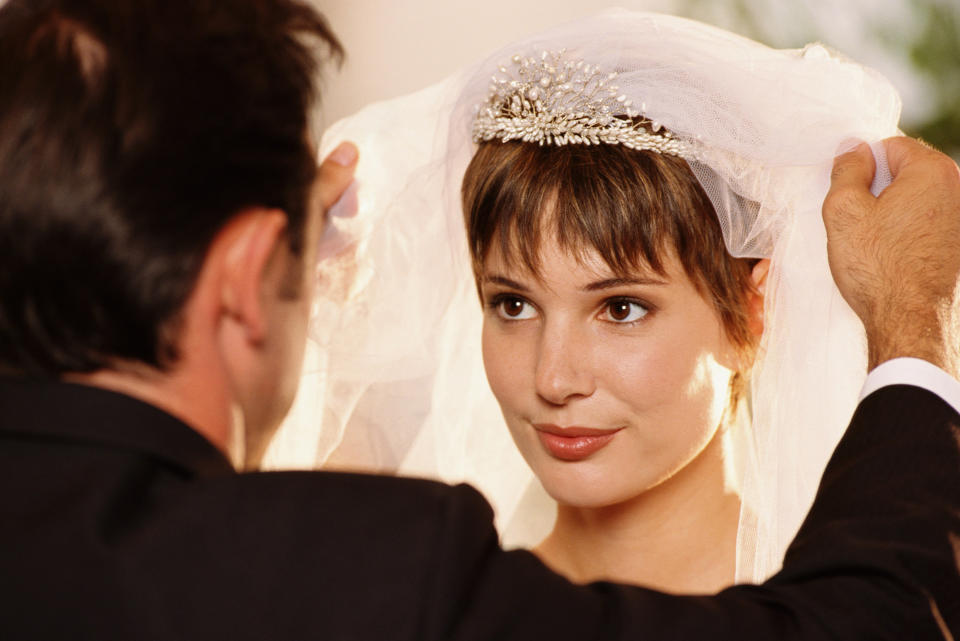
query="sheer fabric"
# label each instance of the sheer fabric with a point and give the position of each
(395, 381)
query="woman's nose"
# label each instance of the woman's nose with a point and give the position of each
(563, 367)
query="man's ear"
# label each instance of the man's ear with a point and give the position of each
(756, 296)
(250, 244)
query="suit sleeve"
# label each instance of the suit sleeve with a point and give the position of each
(888, 513)
(875, 559)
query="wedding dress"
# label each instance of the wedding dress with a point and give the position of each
(394, 380)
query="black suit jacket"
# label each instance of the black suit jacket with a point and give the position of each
(119, 522)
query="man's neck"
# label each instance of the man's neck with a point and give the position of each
(205, 408)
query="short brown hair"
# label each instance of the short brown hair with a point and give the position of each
(630, 206)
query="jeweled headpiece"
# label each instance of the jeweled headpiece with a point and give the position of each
(552, 100)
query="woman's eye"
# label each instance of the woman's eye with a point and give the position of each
(624, 311)
(512, 308)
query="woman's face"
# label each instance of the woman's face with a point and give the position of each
(609, 386)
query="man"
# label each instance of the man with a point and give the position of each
(159, 212)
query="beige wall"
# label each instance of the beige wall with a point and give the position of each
(398, 46)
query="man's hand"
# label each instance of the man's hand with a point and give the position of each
(337, 194)
(336, 174)
(896, 258)
(337, 198)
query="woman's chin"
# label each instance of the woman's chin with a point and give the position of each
(588, 491)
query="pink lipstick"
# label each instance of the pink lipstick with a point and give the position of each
(573, 443)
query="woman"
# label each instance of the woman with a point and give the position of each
(617, 336)
(756, 128)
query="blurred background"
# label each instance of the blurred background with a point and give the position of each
(398, 46)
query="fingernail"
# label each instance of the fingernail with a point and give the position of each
(344, 155)
(847, 146)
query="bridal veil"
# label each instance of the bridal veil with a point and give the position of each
(394, 380)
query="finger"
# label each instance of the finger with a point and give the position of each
(917, 168)
(336, 173)
(849, 193)
(853, 169)
(903, 151)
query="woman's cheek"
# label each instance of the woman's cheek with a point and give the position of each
(503, 362)
(640, 371)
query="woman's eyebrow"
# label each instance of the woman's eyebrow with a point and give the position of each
(609, 283)
(497, 279)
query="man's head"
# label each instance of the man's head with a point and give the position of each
(130, 133)
(139, 141)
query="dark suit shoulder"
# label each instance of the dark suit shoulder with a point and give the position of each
(346, 490)
(360, 553)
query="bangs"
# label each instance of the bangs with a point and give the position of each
(628, 206)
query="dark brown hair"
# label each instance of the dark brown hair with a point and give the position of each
(631, 206)
(130, 133)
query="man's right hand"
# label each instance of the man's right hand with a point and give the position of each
(896, 258)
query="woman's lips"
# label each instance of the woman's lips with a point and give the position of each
(573, 443)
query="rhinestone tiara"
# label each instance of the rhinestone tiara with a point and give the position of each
(552, 100)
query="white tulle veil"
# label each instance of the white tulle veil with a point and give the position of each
(394, 380)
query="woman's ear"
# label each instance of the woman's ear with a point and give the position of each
(755, 296)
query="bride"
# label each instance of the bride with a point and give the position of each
(617, 335)
(642, 203)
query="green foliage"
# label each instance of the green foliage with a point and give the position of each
(935, 53)
(929, 43)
